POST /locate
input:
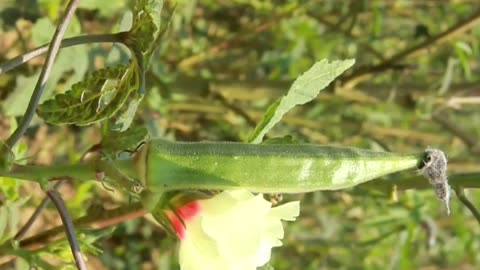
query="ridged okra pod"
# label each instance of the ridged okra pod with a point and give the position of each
(285, 168)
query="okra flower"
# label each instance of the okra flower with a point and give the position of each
(234, 230)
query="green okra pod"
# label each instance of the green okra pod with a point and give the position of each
(285, 168)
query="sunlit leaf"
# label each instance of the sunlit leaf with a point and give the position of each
(9, 218)
(106, 8)
(145, 26)
(143, 36)
(7, 157)
(96, 98)
(86, 239)
(304, 89)
(9, 188)
(124, 118)
(21, 263)
(103, 94)
(3, 221)
(464, 52)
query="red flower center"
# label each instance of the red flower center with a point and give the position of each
(185, 213)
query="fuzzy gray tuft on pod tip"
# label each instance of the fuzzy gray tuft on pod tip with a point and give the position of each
(435, 170)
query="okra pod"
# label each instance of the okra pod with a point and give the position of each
(285, 168)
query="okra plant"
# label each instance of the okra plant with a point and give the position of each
(208, 194)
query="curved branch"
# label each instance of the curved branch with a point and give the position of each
(93, 220)
(98, 219)
(21, 233)
(69, 229)
(463, 198)
(68, 42)
(42, 80)
(458, 28)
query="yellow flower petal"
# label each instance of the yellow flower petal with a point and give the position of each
(235, 230)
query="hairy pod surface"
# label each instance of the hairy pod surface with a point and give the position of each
(285, 168)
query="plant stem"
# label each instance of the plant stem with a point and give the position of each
(24, 229)
(68, 42)
(42, 80)
(21, 233)
(69, 229)
(80, 172)
(463, 198)
(119, 170)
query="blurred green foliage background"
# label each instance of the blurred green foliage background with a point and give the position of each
(415, 84)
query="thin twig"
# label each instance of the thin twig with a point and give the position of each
(234, 41)
(457, 130)
(457, 102)
(458, 28)
(347, 33)
(250, 121)
(463, 198)
(69, 229)
(100, 219)
(431, 231)
(21, 233)
(42, 80)
(96, 220)
(68, 42)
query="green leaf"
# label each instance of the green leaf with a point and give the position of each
(21, 263)
(3, 222)
(17, 101)
(464, 53)
(9, 188)
(143, 37)
(60, 250)
(7, 157)
(288, 139)
(41, 34)
(83, 195)
(103, 94)
(33, 260)
(51, 7)
(9, 218)
(44, 28)
(96, 98)
(304, 89)
(124, 118)
(145, 26)
(114, 142)
(106, 8)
